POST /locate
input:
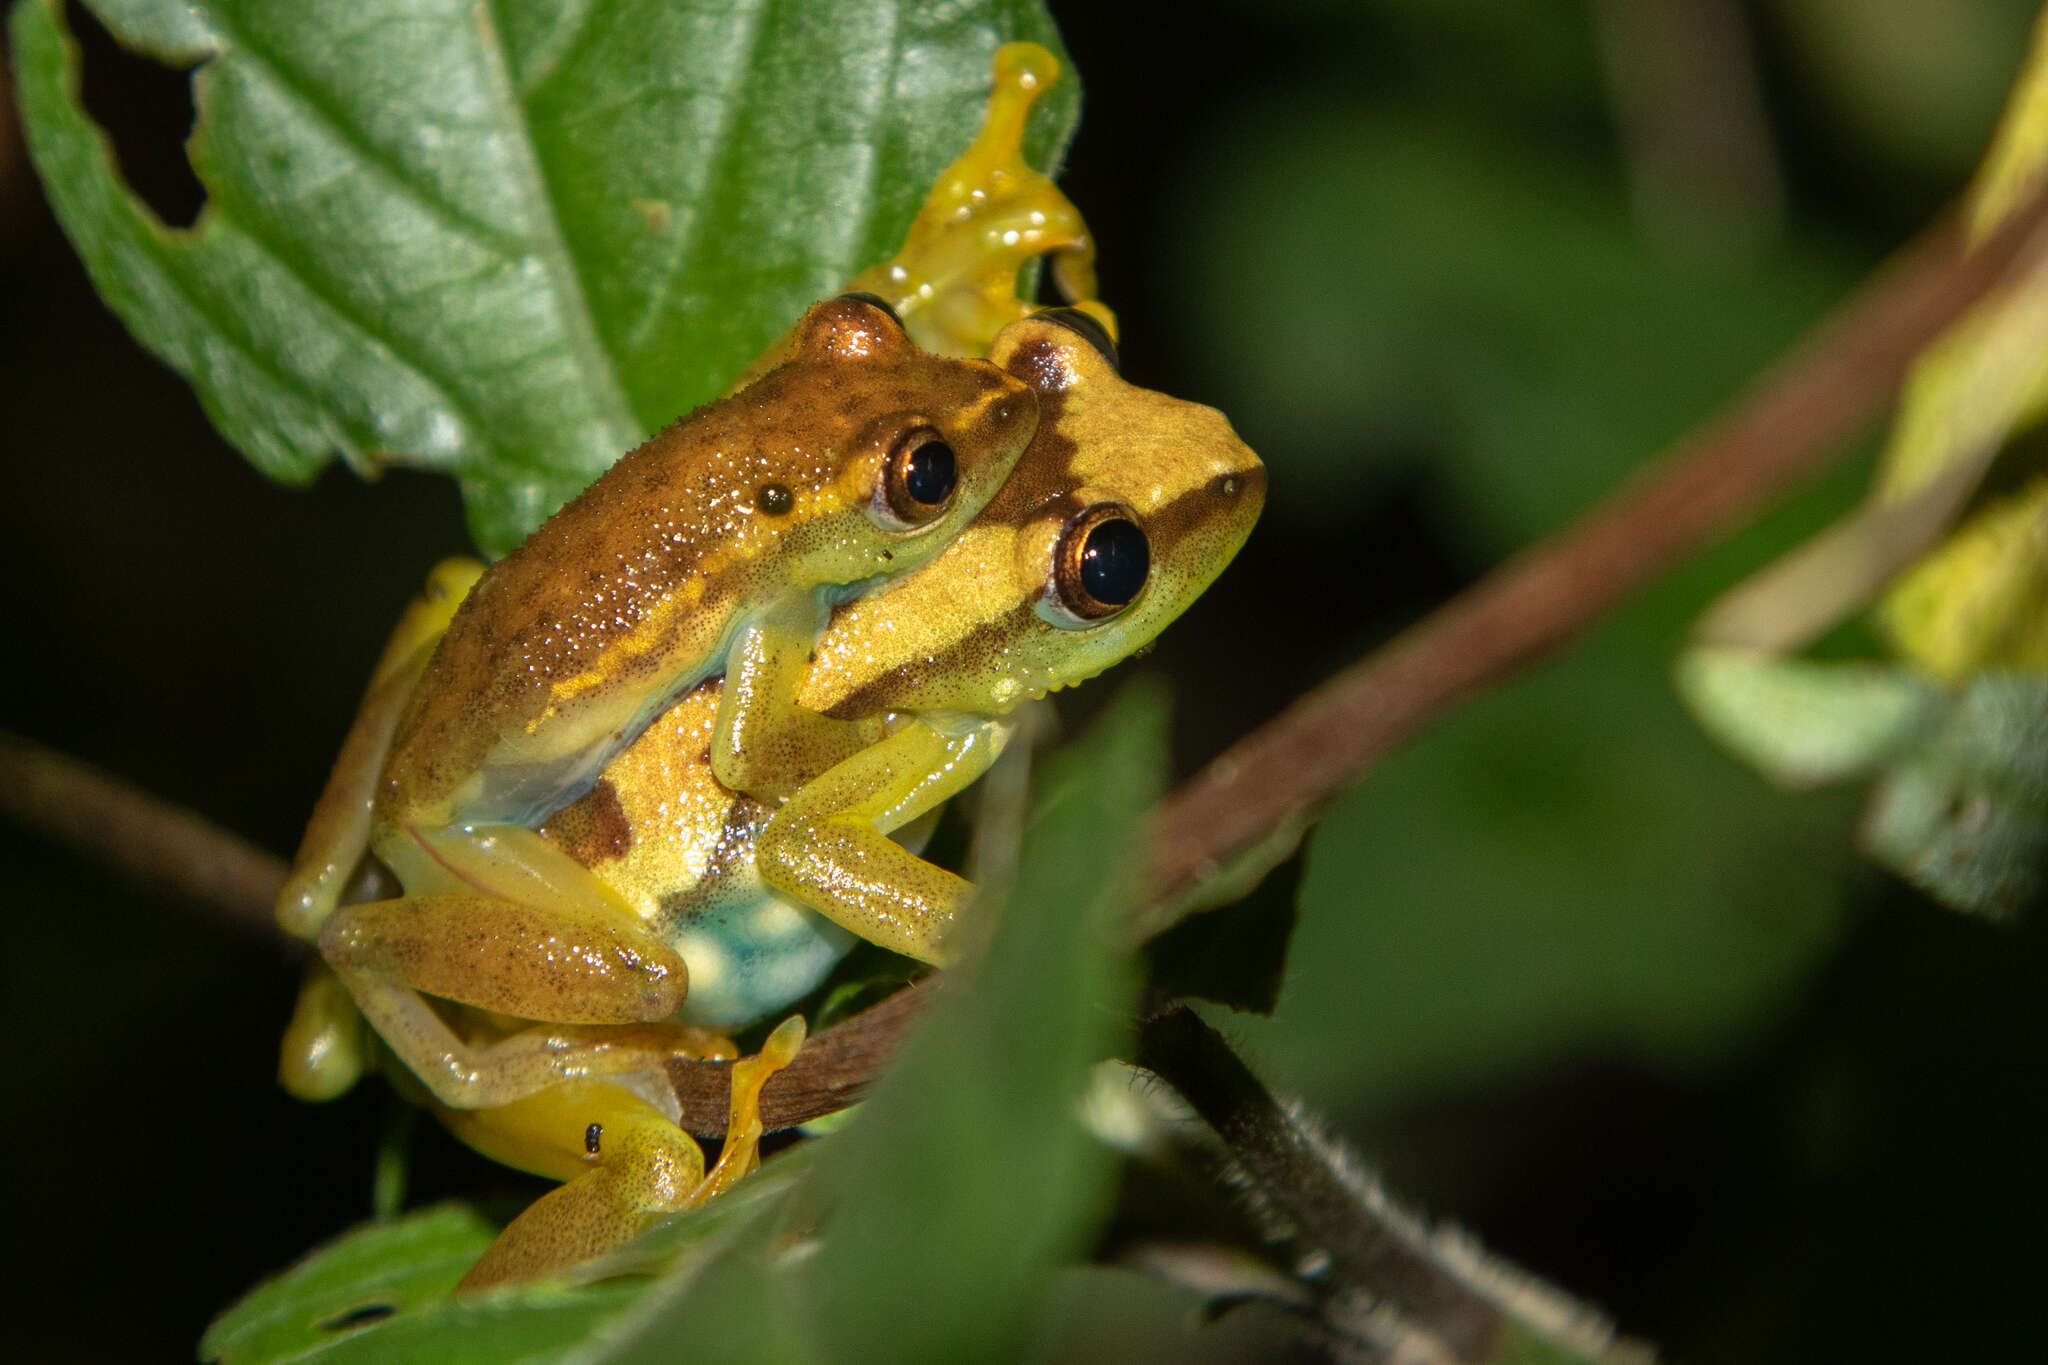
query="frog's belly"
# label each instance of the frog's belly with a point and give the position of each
(753, 957)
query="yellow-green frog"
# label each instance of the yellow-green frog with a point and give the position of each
(530, 935)
(500, 697)
(1124, 509)
(1126, 506)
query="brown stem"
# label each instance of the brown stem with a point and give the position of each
(1451, 1299)
(828, 1074)
(1782, 430)
(144, 837)
(1789, 423)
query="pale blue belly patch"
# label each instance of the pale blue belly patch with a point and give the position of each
(751, 958)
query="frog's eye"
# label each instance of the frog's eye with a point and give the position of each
(1099, 566)
(917, 480)
(1088, 329)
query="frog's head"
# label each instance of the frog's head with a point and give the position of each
(921, 442)
(1126, 506)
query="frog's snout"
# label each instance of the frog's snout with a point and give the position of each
(1242, 484)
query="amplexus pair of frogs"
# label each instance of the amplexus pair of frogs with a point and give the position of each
(638, 778)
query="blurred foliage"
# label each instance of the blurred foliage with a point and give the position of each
(1556, 956)
(496, 249)
(1917, 83)
(1960, 723)
(1450, 297)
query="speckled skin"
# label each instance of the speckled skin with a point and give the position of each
(626, 597)
(959, 643)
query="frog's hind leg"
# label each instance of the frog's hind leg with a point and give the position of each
(338, 834)
(625, 1164)
(572, 971)
(954, 280)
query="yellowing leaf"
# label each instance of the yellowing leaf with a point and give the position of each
(1979, 600)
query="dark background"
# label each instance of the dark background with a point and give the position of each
(1842, 1164)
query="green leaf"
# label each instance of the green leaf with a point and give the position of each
(931, 1221)
(1801, 722)
(508, 240)
(381, 1293)
(966, 1175)
(1965, 816)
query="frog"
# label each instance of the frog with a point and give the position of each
(445, 786)
(855, 458)
(1125, 507)
(953, 282)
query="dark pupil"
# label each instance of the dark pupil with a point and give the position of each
(1114, 562)
(928, 474)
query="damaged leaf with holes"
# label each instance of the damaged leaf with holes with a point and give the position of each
(381, 1293)
(1950, 550)
(506, 241)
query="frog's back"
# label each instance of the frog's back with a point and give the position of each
(576, 640)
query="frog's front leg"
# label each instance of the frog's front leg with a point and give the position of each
(624, 1164)
(828, 845)
(338, 834)
(762, 743)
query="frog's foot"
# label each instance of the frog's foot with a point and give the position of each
(338, 834)
(954, 280)
(624, 1164)
(742, 1152)
(570, 971)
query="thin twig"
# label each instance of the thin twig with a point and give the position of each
(170, 849)
(1191, 1057)
(1783, 430)
(147, 839)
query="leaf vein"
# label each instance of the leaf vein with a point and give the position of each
(327, 292)
(339, 126)
(688, 242)
(165, 253)
(593, 358)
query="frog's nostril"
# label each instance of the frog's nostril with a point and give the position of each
(1234, 484)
